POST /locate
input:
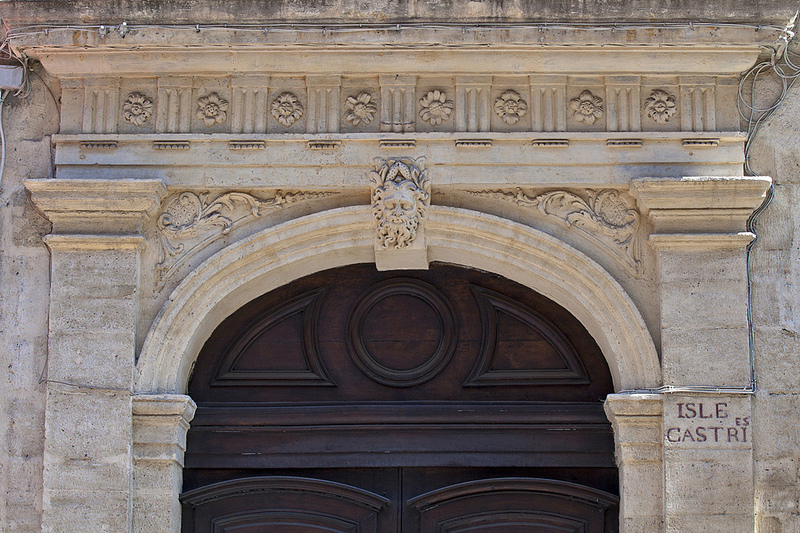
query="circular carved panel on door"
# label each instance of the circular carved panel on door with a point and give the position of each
(401, 332)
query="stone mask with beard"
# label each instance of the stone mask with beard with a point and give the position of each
(398, 205)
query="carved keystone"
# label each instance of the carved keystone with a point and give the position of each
(400, 197)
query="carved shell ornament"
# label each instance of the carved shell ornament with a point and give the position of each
(660, 106)
(587, 108)
(360, 109)
(287, 109)
(510, 107)
(213, 109)
(137, 109)
(436, 108)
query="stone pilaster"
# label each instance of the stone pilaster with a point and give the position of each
(636, 419)
(700, 240)
(160, 423)
(699, 234)
(95, 248)
(708, 463)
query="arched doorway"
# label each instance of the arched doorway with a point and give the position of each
(448, 399)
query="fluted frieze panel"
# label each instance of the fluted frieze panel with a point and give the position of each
(313, 104)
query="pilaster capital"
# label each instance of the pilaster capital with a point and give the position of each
(637, 422)
(160, 423)
(631, 406)
(96, 206)
(704, 204)
(164, 405)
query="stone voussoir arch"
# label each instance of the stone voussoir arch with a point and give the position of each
(342, 236)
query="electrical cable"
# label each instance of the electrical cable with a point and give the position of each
(3, 95)
(123, 29)
(779, 63)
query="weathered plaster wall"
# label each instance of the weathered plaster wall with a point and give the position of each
(776, 293)
(24, 279)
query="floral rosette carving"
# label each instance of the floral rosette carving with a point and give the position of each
(137, 109)
(587, 108)
(400, 194)
(213, 109)
(287, 109)
(660, 106)
(360, 109)
(509, 106)
(436, 108)
(606, 217)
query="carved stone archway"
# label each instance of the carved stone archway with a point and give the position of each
(343, 236)
(338, 237)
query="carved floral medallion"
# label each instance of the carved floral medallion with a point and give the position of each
(660, 106)
(587, 108)
(137, 109)
(606, 216)
(190, 221)
(213, 109)
(360, 109)
(510, 107)
(400, 195)
(287, 109)
(436, 108)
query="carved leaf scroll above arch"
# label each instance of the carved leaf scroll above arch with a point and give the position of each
(190, 221)
(607, 216)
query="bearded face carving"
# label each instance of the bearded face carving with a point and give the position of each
(400, 194)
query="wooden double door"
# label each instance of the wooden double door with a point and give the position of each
(447, 400)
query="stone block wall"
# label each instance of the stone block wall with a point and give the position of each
(776, 305)
(24, 303)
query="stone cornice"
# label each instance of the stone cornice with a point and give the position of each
(699, 204)
(102, 206)
(17, 12)
(63, 59)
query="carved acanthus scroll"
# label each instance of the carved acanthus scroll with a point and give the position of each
(606, 216)
(190, 221)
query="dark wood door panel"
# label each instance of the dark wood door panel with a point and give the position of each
(413, 336)
(287, 504)
(401, 500)
(518, 440)
(386, 402)
(512, 504)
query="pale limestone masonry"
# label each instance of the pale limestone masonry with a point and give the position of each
(601, 167)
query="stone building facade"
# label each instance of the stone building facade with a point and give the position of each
(172, 162)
